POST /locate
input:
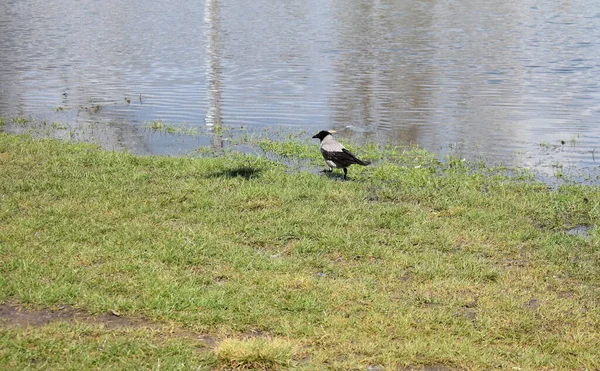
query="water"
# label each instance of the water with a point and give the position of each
(513, 81)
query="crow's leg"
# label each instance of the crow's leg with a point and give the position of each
(345, 173)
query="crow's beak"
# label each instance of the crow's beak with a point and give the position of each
(316, 136)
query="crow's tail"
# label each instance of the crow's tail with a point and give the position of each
(363, 163)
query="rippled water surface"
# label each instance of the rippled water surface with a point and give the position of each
(513, 81)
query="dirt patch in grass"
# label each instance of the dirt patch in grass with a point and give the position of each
(580, 230)
(14, 315)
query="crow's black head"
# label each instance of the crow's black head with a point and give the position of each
(322, 134)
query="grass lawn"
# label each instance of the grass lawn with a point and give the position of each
(240, 262)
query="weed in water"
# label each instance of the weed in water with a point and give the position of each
(181, 129)
(574, 140)
(58, 126)
(20, 121)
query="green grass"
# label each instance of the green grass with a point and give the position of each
(255, 353)
(413, 262)
(84, 347)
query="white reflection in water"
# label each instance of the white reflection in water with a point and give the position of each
(213, 69)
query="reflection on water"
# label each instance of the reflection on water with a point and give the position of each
(500, 80)
(213, 70)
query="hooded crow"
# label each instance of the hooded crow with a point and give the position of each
(335, 154)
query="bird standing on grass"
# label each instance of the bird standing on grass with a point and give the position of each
(335, 154)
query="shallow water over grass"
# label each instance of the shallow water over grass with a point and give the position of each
(515, 81)
(292, 147)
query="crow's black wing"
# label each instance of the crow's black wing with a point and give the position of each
(343, 158)
(356, 160)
